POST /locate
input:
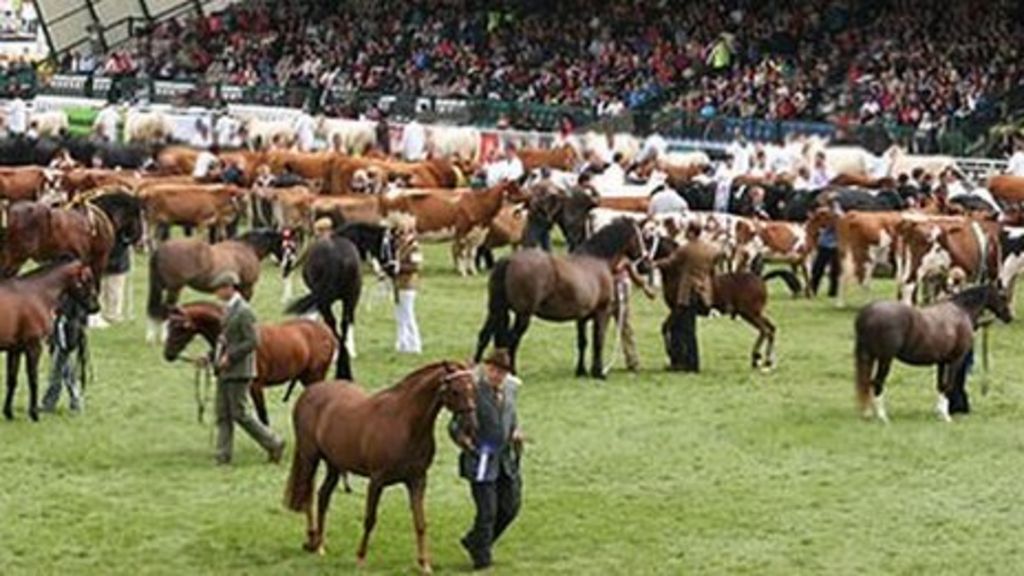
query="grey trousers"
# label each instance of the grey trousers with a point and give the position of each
(232, 407)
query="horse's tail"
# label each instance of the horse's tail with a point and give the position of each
(496, 324)
(303, 305)
(862, 365)
(155, 307)
(792, 282)
(298, 492)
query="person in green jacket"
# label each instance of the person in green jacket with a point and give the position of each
(491, 464)
(235, 366)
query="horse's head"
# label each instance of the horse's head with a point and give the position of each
(289, 250)
(997, 300)
(181, 329)
(81, 286)
(458, 395)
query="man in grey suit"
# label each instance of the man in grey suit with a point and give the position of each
(235, 364)
(492, 464)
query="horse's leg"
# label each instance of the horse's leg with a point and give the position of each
(13, 356)
(581, 348)
(878, 389)
(345, 359)
(947, 373)
(417, 489)
(769, 351)
(863, 362)
(518, 330)
(323, 502)
(32, 353)
(484, 336)
(755, 354)
(600, 329)
(372, 499)
(259, 401)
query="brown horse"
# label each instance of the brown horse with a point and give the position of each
(387, 437)
(86, 231)
(742, 294)
(194, 263)
(940, 334)
(293, 351)
(563, 157)
(210, 207)
(26, 183)
(27, 304)
(576, 287)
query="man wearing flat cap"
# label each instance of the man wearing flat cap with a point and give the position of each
(491, 465)
(235, 365)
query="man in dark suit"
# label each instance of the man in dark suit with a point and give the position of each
(492, 464)
(235, 364)
(691, 268)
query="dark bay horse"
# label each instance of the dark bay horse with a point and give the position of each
(940, 334)
(332, 270)
(578, 287)
(387, 437)
(294, 351)
(86, 231)
(27, 305)
(192, 262)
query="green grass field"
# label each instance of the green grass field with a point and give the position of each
(655, 473)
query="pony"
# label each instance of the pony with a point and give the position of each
(87, 230)
(332, 271)
(577, 287)
(27, 305)
(298, 350)
(191, 262)
(387, 437)
(939, 334)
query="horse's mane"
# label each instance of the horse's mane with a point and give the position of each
(415, 376)
(116, 197)
(48, 267)
(609, 241)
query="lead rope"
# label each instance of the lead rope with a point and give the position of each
(620, 317)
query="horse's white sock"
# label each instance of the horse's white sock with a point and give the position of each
(879, 404)
(942, 408)
(350, 341)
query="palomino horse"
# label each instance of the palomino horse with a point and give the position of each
(387, 437)
(332, 271)
(743, 294)
(87, 232)
(27, 304)
(939, 334)
(294, 351)
(576, 287)
(191, 262)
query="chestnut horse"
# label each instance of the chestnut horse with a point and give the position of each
(211, 207)
(387, 437)
(576, 287)
(86, 231)
(940, 334)
(191, 262)
(563, 157)
(27, 305)
(293, 351)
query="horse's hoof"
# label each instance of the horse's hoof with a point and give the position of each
(33, 414)
(426, 569)
(8, 415)
(580, 373)
(598, 375)
(313, 546)
(360, 562)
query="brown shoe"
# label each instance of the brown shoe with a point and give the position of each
(277, 453)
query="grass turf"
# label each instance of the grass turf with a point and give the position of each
(727, 472)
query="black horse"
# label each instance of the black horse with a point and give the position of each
(124, 211)
(333, 271)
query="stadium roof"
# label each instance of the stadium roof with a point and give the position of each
(70, 25)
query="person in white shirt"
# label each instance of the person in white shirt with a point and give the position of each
(506, 167)
(741, 152)
(105, 125)
(225, 130)
(1015, 167)
(414, 142)
(207, 165)
(17, 116)
(305, 131)
(201, 138)
(666, 201)
(653, 148)
(723, 178)
(821, 174)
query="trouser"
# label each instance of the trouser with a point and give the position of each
(232, 406)
(959, 403)
(622, 316)
(826, 258)
(63, 374)
(680, 332)
(112, 291)
(405, 317)
(497, 504)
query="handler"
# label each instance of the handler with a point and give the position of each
(693, 265)
(235, 358)
(492, 465)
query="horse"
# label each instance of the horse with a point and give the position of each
(86, 231)
(387, 436)
(27, 305)
(191, 262)
(743, 294)
(298, 350)
(214, 207)
(577, 287)
(332, 272)
(939, 334)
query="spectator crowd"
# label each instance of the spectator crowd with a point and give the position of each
(917, 63)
